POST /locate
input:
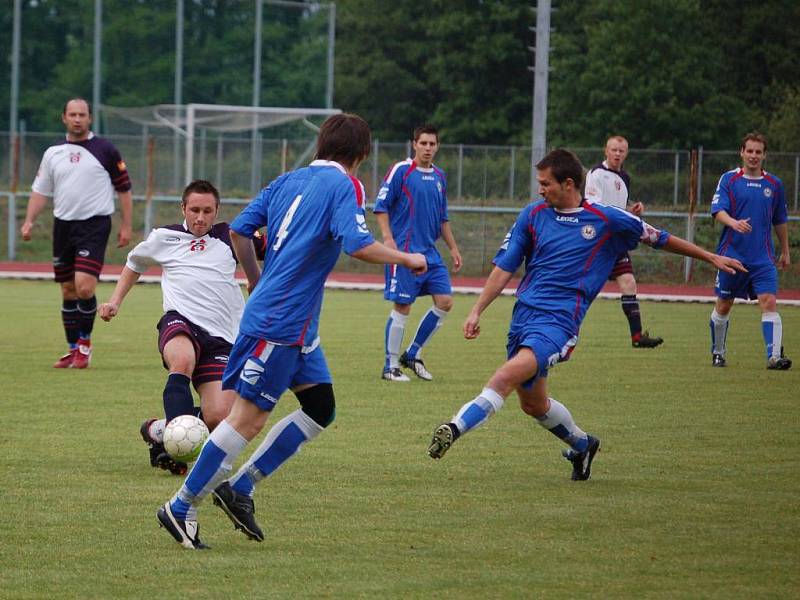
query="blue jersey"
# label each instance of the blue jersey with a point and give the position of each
(568, 255)
(310, 214)
(416, 200)
(759, 199)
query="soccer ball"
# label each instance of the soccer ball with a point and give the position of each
(184, 437)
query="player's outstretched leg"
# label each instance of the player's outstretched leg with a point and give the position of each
(185, 531)
(470, 416)
(240, 510)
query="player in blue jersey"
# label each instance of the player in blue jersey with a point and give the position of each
(569, 247)
(411, 210)
(749, 202)
(310, 215)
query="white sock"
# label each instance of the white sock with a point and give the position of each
(772, 328)
(719, 332)
(395, 329)
(477, 411)
(558, 421)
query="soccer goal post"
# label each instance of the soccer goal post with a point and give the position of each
(185, 119)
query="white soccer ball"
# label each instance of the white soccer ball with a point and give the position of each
(184, 437)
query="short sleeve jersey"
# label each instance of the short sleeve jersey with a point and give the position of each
(416, 201)
(568, 255)
(81, 177)
(759, 199)
(310, 215)
(607, 186)
(197, 275)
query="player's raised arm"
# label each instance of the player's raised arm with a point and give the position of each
(678, 245)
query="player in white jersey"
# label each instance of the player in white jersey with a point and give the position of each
(568, 247)
(81, 174)
(609, 184)
(203, 305)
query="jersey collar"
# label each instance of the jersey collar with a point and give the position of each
(328, 163)
(418, 168)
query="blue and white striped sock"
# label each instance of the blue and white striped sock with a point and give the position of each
(719, 332)
(395, 328)
(214, 463)
(772, 329)
(428, 325)
(281, 443)
(477, 411)
(560, 423)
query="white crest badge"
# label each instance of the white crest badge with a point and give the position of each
(588, 232)
(767, 192)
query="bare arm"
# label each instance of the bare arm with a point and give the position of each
(678, 245)
(386, 230)
(246, 254)
(782, 231)
(450, 240)
(126, 227)
(497, 280)
(127, 279)
(36, 204)
(378, 253)
(742, 226)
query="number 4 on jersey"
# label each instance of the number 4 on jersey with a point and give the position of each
(283, 230)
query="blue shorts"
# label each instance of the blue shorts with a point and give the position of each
(760, 279)
(261, 371)
(549, 336)
(403, 287)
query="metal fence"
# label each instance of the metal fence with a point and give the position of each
(477, 175)
(487, 187)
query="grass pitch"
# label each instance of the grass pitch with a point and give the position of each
(694, 494)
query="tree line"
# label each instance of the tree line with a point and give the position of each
(665, 73)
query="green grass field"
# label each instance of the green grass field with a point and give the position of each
(694, 494)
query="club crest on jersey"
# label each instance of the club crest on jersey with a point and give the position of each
(197, 245)
(439, 186)
(767, 192)
(74, 157)
(84, 253)
(618, 185)
(588, 232)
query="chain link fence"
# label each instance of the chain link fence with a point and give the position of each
(487, 186)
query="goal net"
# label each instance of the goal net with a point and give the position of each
(226, 137)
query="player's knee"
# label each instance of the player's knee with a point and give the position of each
(444, 303)
(318, 403)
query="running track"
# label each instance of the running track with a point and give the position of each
(370, 281)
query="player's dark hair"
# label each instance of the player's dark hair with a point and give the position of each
(427, 128)
(344, 138)
(564, 165)
(76, 99)
(754, 136)
(200, 186)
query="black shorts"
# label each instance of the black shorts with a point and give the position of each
(211, 353)
(622, 266)
(80, 246)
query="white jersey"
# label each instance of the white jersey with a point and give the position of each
(607, 186)
(81, 178)
(198, 276)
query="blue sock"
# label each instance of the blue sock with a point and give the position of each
(429, 325)
(281, 443)
(177, 397)
(215, 461)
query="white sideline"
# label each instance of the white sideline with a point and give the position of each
(353, 285)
